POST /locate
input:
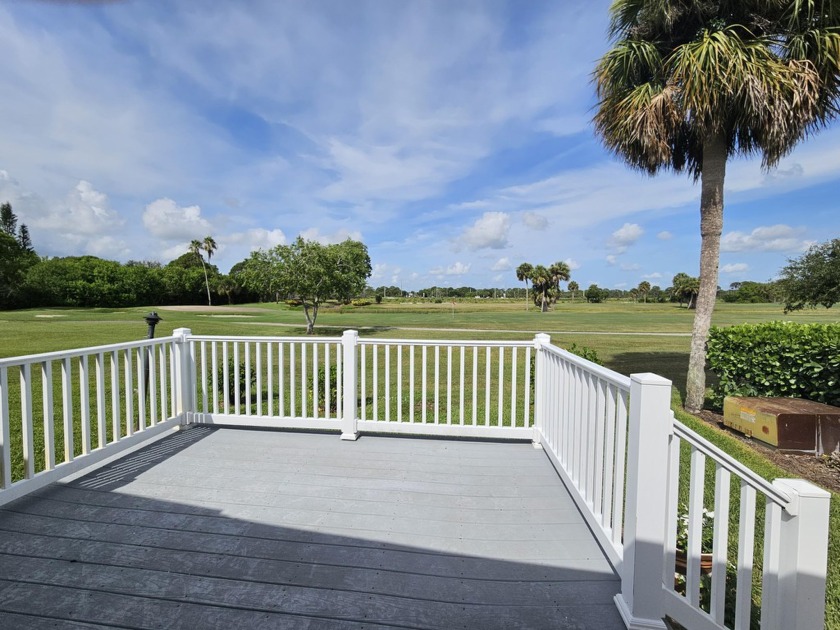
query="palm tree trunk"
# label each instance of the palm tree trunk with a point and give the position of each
(711, 226)
(206, 282)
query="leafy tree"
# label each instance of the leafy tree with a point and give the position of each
(691, 83)
(751, 292)
(595, 294)
(14, 263)
(644, 289)
(523, 274)
(574, 288)
(310, 272)
(813, 278)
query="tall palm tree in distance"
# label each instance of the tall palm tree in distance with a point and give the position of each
(523, 274)
(196, 248)
(691, 83)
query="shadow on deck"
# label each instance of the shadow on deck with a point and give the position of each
(231, 528)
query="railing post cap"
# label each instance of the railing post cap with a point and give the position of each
(801, 488)
(649, 378)
(350, 333)
(181, 332)
(542, 338)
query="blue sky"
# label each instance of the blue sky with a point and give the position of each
(453, 138)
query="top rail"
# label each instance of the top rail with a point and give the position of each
(619, 380)
(446, 342)
(733, 465)
(80, 352)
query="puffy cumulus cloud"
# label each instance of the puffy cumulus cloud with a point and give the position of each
(771, 238)
(664, 235)
(503, 264)
(612, 259)
(83, 212)
(379, 271)
(490, 231)
(625, 236)
(258, 238)
(734, 268)
(108, 247)
(458, 269)
(573, 264)
(167, 220)
(339, 236)
(534, 220)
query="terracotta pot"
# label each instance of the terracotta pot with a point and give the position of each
(682, 562)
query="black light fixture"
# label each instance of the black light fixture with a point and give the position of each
(152, 320)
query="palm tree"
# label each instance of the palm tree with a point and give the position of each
(644, 289)
(523, 274)
(574, 288)
(690, 83)
(196, 248)
(546, 283)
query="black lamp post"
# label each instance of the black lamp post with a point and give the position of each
(152, 320)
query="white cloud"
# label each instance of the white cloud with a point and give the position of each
(772, 238)
(664, 235)
(625, 236)
(257, 238)
(629, 267)
(573, 264)
(458, 269)
(168, 221)
(612, 259)
(339, 236)
(653, 276)
(84, 212)
(534, 220)
(734, 268)
(488, 232)
(503, 264)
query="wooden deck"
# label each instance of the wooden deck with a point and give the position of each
(229, 528)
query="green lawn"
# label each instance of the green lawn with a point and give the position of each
(628, 338)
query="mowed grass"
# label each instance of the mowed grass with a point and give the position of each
(628, 338)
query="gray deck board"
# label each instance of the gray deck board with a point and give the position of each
(227, 528)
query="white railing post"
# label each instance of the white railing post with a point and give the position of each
(349, 343)
(540, 387)
(184, 372)
(803, 556)
(650, 425)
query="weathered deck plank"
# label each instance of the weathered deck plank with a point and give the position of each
(234, 528)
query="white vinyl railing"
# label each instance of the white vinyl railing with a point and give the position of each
(727, 593)
(582, 414)
(75, 408)
(613, 439)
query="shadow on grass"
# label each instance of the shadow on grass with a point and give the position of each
(671, 365)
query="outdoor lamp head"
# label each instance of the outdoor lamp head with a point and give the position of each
(153, 318)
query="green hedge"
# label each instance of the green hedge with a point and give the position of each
(777, 359)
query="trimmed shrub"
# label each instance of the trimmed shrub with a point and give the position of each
(776, 359)
(361, 302)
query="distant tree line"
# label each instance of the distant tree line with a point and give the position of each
(28, 280)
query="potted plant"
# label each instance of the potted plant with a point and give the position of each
(706, 541)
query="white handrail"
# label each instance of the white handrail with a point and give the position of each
(732, 465)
